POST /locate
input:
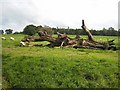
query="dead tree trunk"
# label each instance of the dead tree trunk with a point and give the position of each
(90, 37)
(64, 40)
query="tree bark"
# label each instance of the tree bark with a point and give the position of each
(90, 37)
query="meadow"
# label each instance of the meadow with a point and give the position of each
(44, 67)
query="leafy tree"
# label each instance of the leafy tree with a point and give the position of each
(112, 32)
(104, 32)
(1, 32)
(45, 28)
(39, 28)
(29, 30)
(8, 31)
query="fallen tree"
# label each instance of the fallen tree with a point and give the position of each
(64, 41)
(92, 43)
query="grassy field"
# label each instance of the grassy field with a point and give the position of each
(43, 67)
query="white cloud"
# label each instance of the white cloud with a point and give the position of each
(62, 13)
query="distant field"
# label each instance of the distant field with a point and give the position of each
(43, 67)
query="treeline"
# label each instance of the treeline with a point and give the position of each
(104, 32)
(32, 30)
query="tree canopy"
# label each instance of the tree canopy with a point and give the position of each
(45, 28)
(8, 31)
(104, 32)
(29, 30)
(1, 32)
(32, 29)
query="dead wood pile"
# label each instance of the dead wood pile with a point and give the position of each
(64, 41)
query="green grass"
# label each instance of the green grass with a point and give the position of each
(43, 67)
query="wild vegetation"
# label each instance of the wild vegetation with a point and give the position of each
(32, 29)
(43, 67)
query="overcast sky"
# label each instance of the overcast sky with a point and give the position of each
(16, 14)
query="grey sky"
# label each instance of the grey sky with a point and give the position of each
(16, 14)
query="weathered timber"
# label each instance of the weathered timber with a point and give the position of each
(64, 41)
(90, 37)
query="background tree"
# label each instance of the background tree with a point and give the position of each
(8, 31)
(39, 28)
(1, 32)
(112, 32)
(104, 32)
(30, 30)
(119, 33)
(45, 28)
